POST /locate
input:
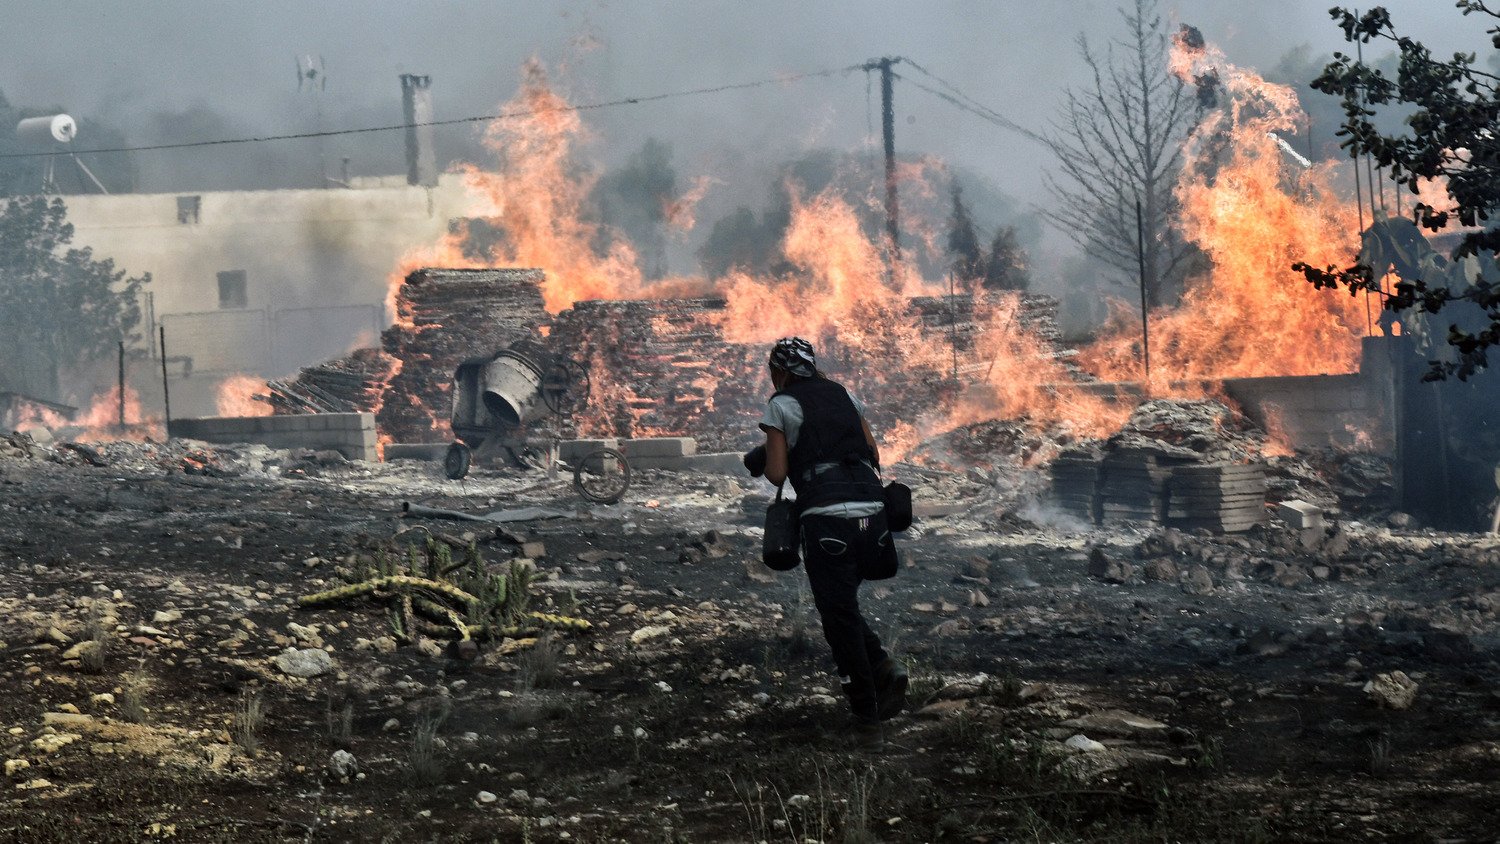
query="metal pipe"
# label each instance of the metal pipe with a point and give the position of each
(166, 390)
(122, 383)
(419, 511)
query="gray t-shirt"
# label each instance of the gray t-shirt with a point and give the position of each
(784, 413)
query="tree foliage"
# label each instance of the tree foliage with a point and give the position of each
(1450, 134)
(963, 242)
(1007, 265)
(56, 301)
(1118, 141)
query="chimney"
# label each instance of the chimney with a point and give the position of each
(416, 107)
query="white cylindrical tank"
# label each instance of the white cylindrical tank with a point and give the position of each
(47, 131)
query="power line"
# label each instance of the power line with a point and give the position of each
(506, 115)
(963, 101)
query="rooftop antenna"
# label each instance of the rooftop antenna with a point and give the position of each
(312, 76)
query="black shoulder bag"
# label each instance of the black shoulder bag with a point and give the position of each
(897, 499)
(781, 548)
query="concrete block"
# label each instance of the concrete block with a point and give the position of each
(719, 463)
(235, 424)
(1300, 514)
(658, 447)
(671, 464)
(571, 451)
(432, 452)
(930, 509)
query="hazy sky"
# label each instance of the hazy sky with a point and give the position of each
(173, 69)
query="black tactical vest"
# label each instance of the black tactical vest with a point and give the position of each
(831, 433)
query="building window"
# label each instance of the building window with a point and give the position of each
(188, 209)
(232, 292)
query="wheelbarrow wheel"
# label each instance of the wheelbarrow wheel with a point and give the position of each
(457, 461)
(602, 476)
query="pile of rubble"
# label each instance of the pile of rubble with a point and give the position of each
(443, 317)
(173, 456)
(960, 319)
(347, 385)
(1191, 464)
(662, 366)
(655, 366)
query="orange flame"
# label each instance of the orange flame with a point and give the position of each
(242, 395)
(100, 421)
(1243, 206)
(536, 200)
(1253, 213)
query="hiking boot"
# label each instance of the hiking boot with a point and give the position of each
(891, 680)
(866, 735)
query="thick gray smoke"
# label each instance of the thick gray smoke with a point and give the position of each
(179, 70)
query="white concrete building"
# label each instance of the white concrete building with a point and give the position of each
(263, 282)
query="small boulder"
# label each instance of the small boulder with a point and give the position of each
(1107, 568)
(1082, 742)
(1198, 581)
(1162, 570)
(1394, 690)
(308, 662)
(343, 765)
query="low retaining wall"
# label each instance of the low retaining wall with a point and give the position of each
(350, 434)
(1314, 410)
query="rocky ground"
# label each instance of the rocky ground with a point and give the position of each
(158, 679)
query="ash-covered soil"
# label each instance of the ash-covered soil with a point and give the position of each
(1219, 684)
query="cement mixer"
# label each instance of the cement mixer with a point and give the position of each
(506, 405)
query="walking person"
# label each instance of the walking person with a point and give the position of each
(818, 440)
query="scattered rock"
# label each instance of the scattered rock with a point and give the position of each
(941, 709)
(1116, 722)
(343, 765)
(1392, 691)
(166, 616)
(1198, 581)
(487, 797)
(1109, 569)
(306, 635)
(1162, 570)
(1079, 741)
(649, 632)
(976, 567)
(81, 650)
(309, 662)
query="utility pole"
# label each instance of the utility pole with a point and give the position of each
(888, 135)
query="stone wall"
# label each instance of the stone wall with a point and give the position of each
(350, 434)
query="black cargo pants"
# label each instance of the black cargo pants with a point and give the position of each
(839, 553)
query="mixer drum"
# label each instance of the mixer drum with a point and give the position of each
(511, 387)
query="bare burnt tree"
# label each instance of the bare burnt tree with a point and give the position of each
(1119, 140)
